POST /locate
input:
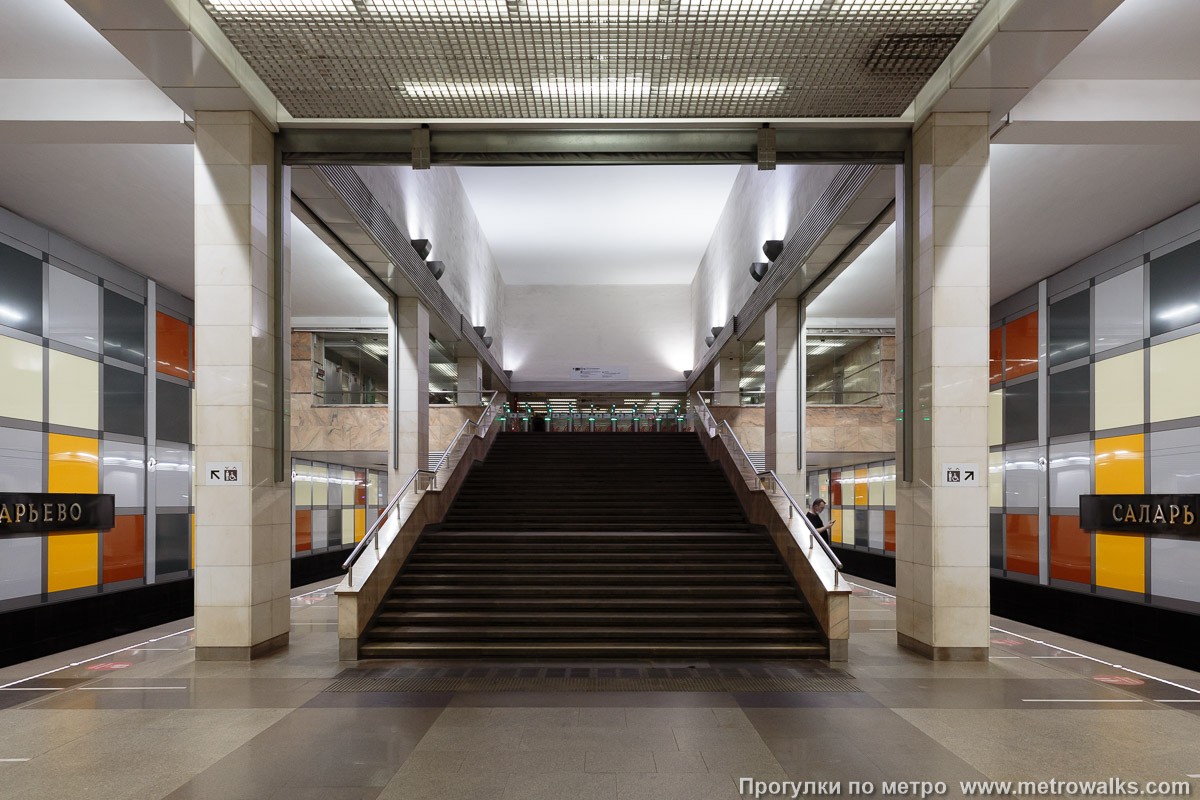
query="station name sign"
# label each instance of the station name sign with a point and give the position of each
(1140, 513)
(42, 513)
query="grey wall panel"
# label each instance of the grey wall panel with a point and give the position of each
(1022, 477)
(1119, 311)
(996, 542)
(124, 401)
(173, 413)
(861, 527)
(20, 566)
(123, 473)
(74, 311)
(1021, 412)
(1070, 473)
(333, 528)
(124, 328)
(320, 528)
(1175, 290)
(1070, 331)
(1175, 462)
(875, 526)
(21, 279)
(20, 460)
(173, 477)
(172, 543)
(1070, 403)
(1174, 565)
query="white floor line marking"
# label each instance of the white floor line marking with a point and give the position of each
(31, 689)
(128, 688)
(137, 646)
(1037, 700)
(995, 657)
(1056, 656)
(1176, 701)
(16, 760)
(881, 629)
(317, 591)
(157, 649)
(1065, 650)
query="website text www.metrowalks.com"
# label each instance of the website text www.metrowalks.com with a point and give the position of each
(1109, 787)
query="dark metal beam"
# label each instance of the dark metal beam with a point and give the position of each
(582, 146)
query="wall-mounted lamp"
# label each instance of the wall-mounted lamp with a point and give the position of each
(436, 268)
(772, 248)
(508, 373)
(687, 373)
(487, 341)
(758, 270)
(423, 247)
(708, 340)
(481, 330)
(716, 330)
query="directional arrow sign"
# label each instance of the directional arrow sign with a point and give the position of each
(225, 473)
(960, 474)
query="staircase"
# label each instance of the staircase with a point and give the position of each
(595, 546)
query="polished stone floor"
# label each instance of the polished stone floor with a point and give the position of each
(138, 717)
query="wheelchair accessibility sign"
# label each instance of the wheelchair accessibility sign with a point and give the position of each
(960, 474)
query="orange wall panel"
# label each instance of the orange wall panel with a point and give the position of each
(1021, 543)
(996, 355)
(173, 339)
(1070, 550)
(1021, 346)
(860, 487)
(124, 556)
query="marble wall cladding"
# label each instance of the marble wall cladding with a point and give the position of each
(337, 428)
(748, 423)
(444, 422)
(302, 346)
(762, 205)
(834, 429)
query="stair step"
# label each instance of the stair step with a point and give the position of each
(672, 603)
(550, 633)
(695, 580)
(408, 588)
(638, 618)
(631, 649)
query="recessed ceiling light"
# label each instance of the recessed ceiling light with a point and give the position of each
(569, 87)
(447, 89)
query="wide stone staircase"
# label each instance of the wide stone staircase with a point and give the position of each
(595, 546)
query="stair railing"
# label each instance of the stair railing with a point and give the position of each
(424, 479)
(766, 481)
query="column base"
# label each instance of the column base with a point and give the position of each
(242, 653)
(941, 653)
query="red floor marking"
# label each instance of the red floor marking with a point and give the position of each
(1007, 642)
(1118, 680)
(110, 665)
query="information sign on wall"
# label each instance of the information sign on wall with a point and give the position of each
(43, 513)
(600, 373)
(1140, 513)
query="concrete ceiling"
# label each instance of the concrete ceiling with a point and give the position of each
(598, 225)
(867, 288)
(1140, 40)
(324, 286)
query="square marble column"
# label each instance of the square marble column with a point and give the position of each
(727, 379)
(942, 579)
(470, 381)
(782, 407)
(408, 406)
(243, 532)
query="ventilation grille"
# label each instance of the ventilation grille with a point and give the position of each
(595, 59)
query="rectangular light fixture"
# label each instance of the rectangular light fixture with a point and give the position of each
(457, 90)
(749, 87)
(285, 6)
(608, 87)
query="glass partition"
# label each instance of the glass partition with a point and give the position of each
(843, 370)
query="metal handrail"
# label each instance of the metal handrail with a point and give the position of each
(813, 536)
(373, 534)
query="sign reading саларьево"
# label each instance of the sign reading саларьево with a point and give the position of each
(42, 513)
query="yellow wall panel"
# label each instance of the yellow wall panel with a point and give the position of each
(73, 560)
(360, 524)
(303, 481)
(1173, 392)
(347, 525)
(1120, 391)
(835, 516)
(1121, 561)
(847, 527)
(861, 487)
(74, 464)
(996, 479)
(996, 417)
(320, 485)
(21, 389)
(74, 387)
(1120, 465)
